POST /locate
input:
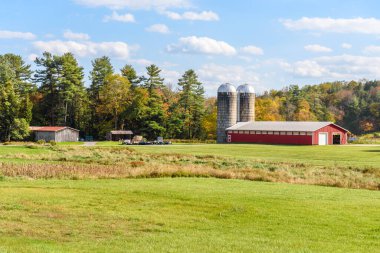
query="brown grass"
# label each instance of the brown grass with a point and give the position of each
(111, 162)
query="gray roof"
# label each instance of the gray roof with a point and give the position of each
(226, 88)
(245, 88)
(121, 132)
(302, 126)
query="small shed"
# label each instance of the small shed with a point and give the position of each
(55, 133)
(116, 135)
(287, 132)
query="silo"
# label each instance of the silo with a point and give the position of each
(245, 103)
(226, 110)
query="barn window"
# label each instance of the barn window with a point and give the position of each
(289, 133)
(283, 133)
(270, 132)
(246, 132)
(258, 132)
(252, 132)
(296, 133)
(302, 133)
(276, 133)
(240, 132)
(310, 133)
(264, 132)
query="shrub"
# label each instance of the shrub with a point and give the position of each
(52, 143)
(41, 142)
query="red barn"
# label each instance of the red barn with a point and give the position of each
(287, 132)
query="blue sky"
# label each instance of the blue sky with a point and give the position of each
(269, 44)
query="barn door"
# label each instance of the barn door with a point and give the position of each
(322, 138)
(228, 138)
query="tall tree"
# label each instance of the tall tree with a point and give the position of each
(101, 68)
(191, 102)
(114, 98)
(130, 73)
(154, 80)
(15, 107)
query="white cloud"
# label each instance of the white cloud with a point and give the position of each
(32, 57)
(171, 76)
(4, 34)
(126, 18)
(201, 45)
(143, 62)
(68, 34)
(212, 75)
(86, 48)
(346, 46)
(372, 50)
(135, 4)
(252, 50)
(349, 67)
(317, 48)
(158, 28)
(189, 15)
(340, 25)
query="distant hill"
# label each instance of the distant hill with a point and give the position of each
(353, 105)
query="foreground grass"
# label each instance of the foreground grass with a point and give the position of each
(185, 215)
(350, 166)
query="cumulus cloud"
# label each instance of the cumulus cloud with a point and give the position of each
(317, 48)
(372, 50)
(5, 34)
(158, 28)
(252, 50)
(189, 15)
(171, 76)
(85, 48)
(133, 4)
(212, 75)
(336, 67)
(346, 46)
(201, 45)
(68, 34)
(340, 25)
(126, 18)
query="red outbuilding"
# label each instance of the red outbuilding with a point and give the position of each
(287, 132)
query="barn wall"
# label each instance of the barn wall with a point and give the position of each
(272, 138)
(330, 129)
(47, 136)
(67, 135)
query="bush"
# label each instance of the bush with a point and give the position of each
(53, 143)
(41, 142)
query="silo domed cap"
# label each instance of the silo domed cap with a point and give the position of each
(246, 88)
(225, 88)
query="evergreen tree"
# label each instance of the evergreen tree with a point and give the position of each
(101, 68)
(15, 107)
(191, 102)
(130, 73)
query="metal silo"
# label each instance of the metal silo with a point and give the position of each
(245, 103)
(226, 110)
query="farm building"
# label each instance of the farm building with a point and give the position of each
(236, 123)
(287, 132)
(55, 133)
(117, 135)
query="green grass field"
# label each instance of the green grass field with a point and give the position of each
(114, 198)
(185, 215)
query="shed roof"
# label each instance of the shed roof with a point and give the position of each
(121, 132)
(302, 126)
(50, 128)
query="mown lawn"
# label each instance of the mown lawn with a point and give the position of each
(185, 215)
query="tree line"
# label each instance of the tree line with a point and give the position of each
(354, 105)
(54, 94)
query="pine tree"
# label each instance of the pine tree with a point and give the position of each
(15, 89)
(191, 102)
(130, 73)
(101, 68)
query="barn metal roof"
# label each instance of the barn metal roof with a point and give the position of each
(302, 126)
(121, 132)
(50, 128)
